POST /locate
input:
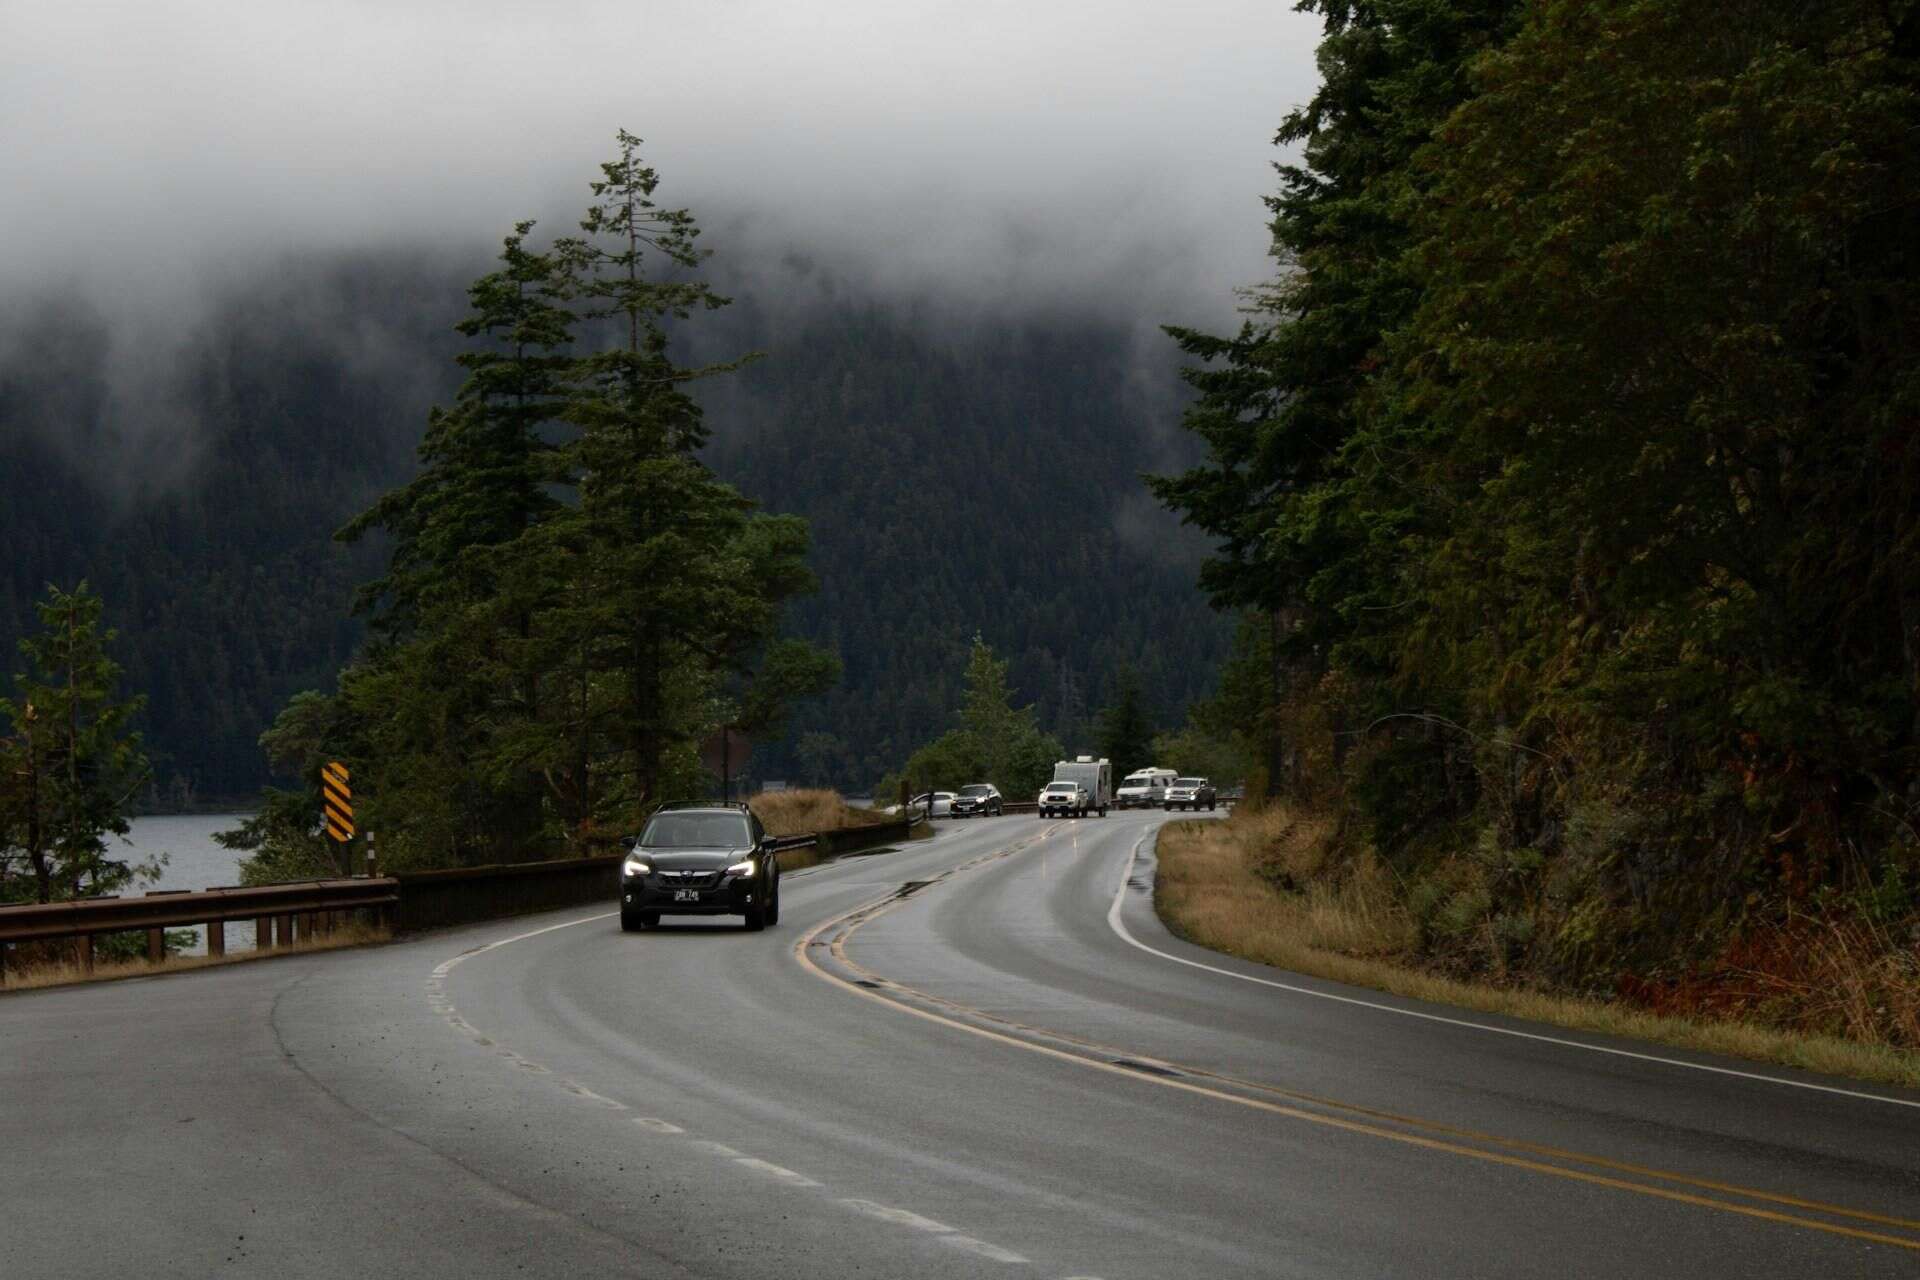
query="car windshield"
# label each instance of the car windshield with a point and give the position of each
(696, 831)
(1137, 782)
(976, 790)
(1189, 782)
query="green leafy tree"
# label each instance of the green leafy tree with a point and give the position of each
(71, 763)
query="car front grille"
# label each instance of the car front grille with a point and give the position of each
(688, 879)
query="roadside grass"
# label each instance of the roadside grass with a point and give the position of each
(1253, 886)
(68, 972)
(793, 813)
(797, 859)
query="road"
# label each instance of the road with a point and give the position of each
(978, 1055)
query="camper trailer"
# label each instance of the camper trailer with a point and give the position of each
(1095, 775)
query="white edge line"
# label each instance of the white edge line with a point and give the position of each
(1113, 920)
(441, 970)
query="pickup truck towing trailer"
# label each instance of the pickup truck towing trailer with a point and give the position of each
(1095, 775)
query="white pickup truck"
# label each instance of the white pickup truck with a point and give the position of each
(1095, 777)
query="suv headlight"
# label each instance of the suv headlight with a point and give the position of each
(745, 868)
(635, 865)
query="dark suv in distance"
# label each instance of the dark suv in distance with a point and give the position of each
(978, 800)
(1191, 793)
(700, 860)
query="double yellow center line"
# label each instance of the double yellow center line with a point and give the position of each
(1538, 1158)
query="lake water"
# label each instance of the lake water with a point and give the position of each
(194, 861)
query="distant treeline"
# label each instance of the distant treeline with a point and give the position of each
(1568, 472)
(958, 476)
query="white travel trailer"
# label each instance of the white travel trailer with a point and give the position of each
(1145, 788)
(1095, 775)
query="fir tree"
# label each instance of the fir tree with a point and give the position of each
(70, 765)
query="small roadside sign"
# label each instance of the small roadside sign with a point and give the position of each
(338, 799)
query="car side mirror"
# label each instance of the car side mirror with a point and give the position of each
(767, 844)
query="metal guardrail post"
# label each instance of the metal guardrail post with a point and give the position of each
(216, 937)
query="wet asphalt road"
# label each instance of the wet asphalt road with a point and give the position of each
(976, 1055)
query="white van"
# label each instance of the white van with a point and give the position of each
(1145, 788)
(1095, 775)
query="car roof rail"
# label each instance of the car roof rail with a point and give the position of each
(702, 804)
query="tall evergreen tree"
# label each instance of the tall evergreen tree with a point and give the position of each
(574, 600)
(1126, 728)
(70, 765)
(1284, 405)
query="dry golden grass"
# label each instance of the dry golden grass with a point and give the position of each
(797, 859)
(68, 973)
(795, 813)
(1219, 885)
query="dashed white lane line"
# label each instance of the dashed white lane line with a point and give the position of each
(981, 1248)
(899, 1217)
(658, 1126)
(441, 1004)
(772, 1170)
(581, 1091)
(1120, 928)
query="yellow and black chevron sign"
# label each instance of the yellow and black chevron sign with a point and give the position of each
(339, 801)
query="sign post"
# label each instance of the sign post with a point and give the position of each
(337, 799)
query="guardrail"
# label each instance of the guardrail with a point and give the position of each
(410, 901)
(281, 913)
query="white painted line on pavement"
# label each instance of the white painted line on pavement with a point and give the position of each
(982, 1248)
(1114, 921)
(581, 1091)
(442, 969)
(717, 1148)
(658, 1126)
(787, 1176)
(899, 1217)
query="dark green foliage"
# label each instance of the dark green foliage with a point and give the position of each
(69, 764)
(1125, 734)
(574, 601)
(918, 447)
(996, 741)
(1573, 455)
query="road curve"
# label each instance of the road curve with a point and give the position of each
(976, 1055)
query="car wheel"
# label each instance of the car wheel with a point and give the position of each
(756, 917)
(773, 901)
(629, 922)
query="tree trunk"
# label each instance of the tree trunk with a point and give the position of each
(1276, 698)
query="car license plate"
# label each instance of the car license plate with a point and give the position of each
(686, 895)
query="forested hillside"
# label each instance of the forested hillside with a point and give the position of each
(1572, 470)
(960, 475)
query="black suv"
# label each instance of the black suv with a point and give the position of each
(978, 800)
(700, 860)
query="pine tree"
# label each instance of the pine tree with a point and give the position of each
(1126, 730)
(684, 583)
(71, 764)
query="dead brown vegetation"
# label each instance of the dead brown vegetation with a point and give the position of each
(794, 813)
(1273, 886)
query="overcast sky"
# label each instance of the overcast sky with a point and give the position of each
(1035, 146)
